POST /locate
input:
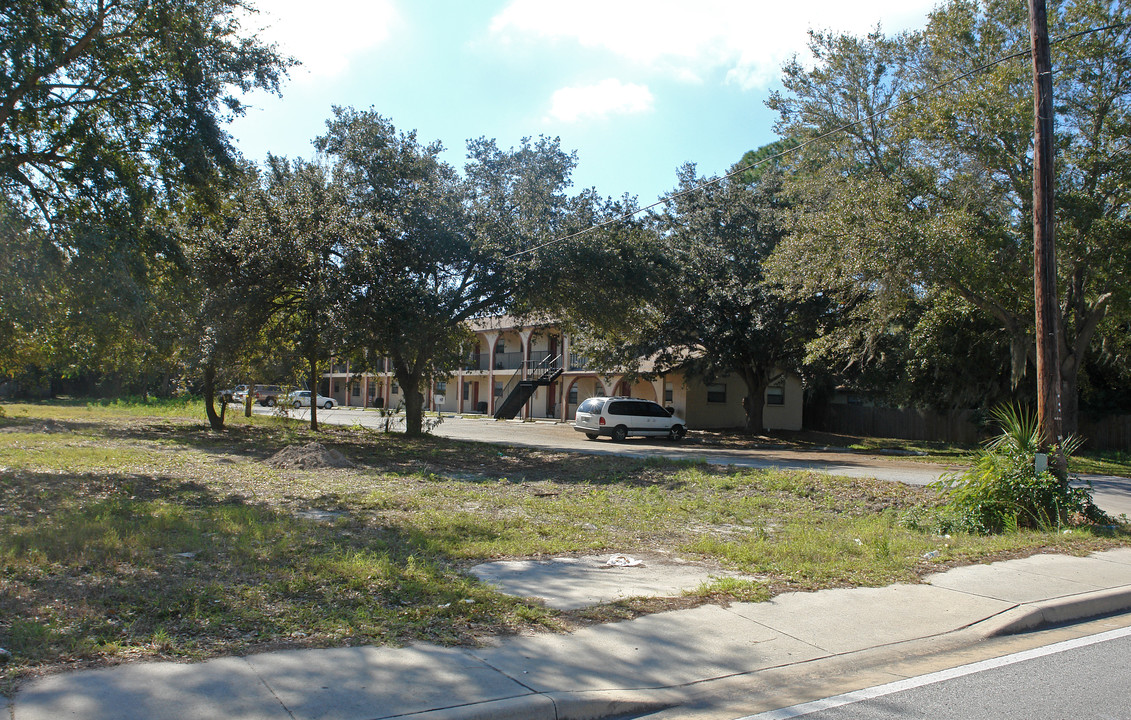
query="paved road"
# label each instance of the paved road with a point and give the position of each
(1113, 494)
(1087, 677)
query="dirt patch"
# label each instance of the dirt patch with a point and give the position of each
(312, 456)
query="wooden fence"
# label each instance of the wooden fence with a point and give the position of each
(958, 426)
(1112, 432)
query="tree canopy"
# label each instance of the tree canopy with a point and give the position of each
(928, 187)
(112, 114)
(700, 301)
(115, 100)
(441, 248)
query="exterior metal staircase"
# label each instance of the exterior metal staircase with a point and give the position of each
(538, 373)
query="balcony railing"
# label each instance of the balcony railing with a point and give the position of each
(513, 361)
(577, 362)
(477, 361)
(508, 361)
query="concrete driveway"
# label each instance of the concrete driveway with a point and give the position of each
(1111, 493)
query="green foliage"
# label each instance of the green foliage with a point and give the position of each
(441, 249)
(926, 192)
(1002, 491)
(111, 114)
(768, 158)
(108, 104)
(703, 303)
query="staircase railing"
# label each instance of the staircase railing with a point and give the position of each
(538, 372)
(544, 367)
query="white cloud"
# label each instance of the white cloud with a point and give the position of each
(326, 34)
(607, 97)
(749, 40)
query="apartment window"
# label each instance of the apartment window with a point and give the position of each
(396, 390)
(498, 389)
(356, 390)
(669, 392)
(717, 393)
(441, 387)
(337, 387)
(573, 395)
(775, 395)
(500, 347)
(467, 391)
(372, 390)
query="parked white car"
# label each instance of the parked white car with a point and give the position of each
(301, 398)
(619, 417)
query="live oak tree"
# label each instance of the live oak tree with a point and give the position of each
(441, 248)
(112, 114)
(306, 233)
(27, 284)
(709, 309)
(936, 194)
(271, 263)
(117, 99)
(230, 311)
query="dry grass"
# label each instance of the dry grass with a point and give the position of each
(127, 536)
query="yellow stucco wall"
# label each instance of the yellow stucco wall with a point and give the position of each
(700, 413)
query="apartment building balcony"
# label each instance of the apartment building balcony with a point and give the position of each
(577, 363)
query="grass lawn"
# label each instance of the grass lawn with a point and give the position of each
(132, 531)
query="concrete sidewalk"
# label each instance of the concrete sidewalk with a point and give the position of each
(633, 666)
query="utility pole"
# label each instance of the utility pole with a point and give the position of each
(1044, 248)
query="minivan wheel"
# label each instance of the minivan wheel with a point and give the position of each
(592, 436)
(297, 404)
(270, 402)
(327, 405)
(620, 432)
(678, 432)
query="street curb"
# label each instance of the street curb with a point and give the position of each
(598, 704)
(527, 707)
(1030, 616)
(593, 705)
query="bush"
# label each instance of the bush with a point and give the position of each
(1002, 490)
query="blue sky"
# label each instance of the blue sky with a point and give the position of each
(637, 88)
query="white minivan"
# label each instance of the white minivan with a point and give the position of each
(619, 417)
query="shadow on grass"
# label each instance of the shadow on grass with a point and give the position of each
(428, 455)
(110, 566)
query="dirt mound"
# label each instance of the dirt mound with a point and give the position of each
(308, 457)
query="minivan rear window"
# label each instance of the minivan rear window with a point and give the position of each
(591, 406)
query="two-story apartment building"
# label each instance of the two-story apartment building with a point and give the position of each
(507, 352)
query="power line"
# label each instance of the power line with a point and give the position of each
(810, 141)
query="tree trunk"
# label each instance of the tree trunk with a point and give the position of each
(757, 379)
(312, 384)
(1070, 401)
(413, 401)
(216, 422)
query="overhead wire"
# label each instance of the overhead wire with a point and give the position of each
(738, 171)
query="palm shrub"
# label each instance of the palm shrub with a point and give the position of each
(1003, 491)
